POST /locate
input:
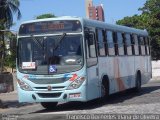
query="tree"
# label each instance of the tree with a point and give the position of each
(7, 9)
(45, 16)
(10, 59)
(134, 21)
(149, 20)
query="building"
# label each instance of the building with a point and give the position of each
(94, 12)
(88, 3)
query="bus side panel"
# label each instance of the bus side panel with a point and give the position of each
(120, 71)
(148, 69)
(106, 68)
(93, 88)
(142, 63)
(126, 72)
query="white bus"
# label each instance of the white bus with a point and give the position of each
(74, 59)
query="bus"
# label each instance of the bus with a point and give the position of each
(67, 59)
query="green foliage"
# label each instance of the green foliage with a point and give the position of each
(7, 9)
(149, 20)
(10, 59)
(43, 16)
(130, 21)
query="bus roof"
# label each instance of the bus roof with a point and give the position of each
(95, 23)
(112, 27)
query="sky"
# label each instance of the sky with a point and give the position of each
(114, 9)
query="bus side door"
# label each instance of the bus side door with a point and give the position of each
(92, 66)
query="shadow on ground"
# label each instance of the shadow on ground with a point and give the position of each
(112, 100)
(12, 104)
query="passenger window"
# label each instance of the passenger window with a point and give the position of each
(101, 46)
(128, 43)
(136, 46)
(142, 45)
(120, 43)
(115, 42)
(147, 45)
(124, 44)
(111, 50)
(132, 44)
(106, 42)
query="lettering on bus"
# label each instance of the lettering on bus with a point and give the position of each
(50, 27)
(45, 26)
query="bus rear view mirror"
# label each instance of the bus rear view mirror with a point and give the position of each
(90, 38)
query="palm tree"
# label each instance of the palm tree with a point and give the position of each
(7, 9)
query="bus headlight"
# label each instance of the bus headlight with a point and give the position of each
(24, 86)
(76, 83)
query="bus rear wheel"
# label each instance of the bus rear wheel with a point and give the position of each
(105, 90)
(49, 105)
(138, 82)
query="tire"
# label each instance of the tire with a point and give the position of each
(138, 83)
(49, 105)
(105, 90)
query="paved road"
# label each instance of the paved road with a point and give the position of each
(145, 102)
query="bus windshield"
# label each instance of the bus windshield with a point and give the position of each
(50, 54)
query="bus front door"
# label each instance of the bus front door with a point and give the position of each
(92, 67)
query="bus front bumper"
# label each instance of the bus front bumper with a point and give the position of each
(52, 96)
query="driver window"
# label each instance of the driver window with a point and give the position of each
(91, 46)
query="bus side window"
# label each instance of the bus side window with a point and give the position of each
(106, 42)
(146, 42)
(91, 45)
(149, 48)
(142, 45)
(139, 46)
(128, 42)
(124, 44)
(120, 43)
(115, 42)
(100, 41)
(136, 47)
(110, 42)
(132, 44)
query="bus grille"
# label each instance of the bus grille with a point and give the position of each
(60, 87)
(53, 88)
(49, 95)
(49, 80)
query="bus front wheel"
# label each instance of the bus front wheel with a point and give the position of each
(49, 105)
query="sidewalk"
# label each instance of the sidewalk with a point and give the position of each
(8, 99)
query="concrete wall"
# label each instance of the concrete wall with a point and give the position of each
(156, 69)
(6, 82)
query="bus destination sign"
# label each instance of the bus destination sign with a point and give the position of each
(50, 27)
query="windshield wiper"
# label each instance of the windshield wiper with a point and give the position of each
(59, 41)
